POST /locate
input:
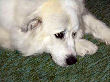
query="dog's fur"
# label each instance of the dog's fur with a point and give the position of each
(31, 26)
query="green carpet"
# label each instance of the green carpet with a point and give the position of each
(94, 68)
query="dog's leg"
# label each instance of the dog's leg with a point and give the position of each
(84, 47)
(97, 28)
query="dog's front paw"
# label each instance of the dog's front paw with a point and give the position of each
(103, 34)
(84, 47)
(107, 39)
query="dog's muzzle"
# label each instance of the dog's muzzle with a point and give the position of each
(71, 60)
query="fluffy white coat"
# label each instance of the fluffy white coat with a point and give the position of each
(18, 31)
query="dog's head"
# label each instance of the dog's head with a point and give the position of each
(56, 28)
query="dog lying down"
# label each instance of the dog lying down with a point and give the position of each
(52, 26)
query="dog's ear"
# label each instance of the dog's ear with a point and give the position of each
(31, 22)
(34, 23)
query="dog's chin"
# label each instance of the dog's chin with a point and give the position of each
(62, 65)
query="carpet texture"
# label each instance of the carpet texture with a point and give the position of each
(94, 68)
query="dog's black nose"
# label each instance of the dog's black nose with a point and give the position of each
(71, 60)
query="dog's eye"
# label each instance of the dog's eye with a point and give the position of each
(74, 34)
(60, 35)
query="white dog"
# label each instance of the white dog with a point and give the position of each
(52, 26)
